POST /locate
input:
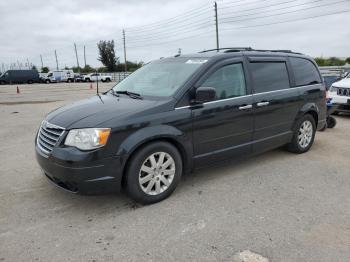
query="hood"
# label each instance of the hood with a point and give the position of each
(342, 83)
(98, 109)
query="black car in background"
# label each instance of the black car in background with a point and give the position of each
(19, 77)
(330, 79)
(180, 113)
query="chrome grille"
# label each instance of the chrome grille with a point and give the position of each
(48, 136)
(343, 91)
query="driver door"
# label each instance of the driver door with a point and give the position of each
(223, 128)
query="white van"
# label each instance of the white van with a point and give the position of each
(59, 76)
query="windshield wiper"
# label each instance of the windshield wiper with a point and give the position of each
(128, 93)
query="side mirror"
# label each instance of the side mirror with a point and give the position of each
(205, 94)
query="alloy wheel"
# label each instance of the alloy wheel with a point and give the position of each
(305, 134)
(157, 173)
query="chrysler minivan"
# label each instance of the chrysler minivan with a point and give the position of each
(181, 113)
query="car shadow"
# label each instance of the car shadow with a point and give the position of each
(110, 203)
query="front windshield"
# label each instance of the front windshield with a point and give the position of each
(161, 78)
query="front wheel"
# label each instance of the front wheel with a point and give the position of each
(303, 136)
(153, 172)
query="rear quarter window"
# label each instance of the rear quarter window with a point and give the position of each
(305, 72)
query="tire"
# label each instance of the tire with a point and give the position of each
(2, 82)
(302, 130)
(108, 80)
(87, 80)
(69, 80)
(335, 113)
(156, 186)
(47, 81)
(30, 82)
(331, 122)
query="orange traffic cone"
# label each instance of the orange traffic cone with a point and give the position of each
(18, 92)
(91, 86)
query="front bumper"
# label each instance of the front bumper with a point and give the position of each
(70, 170)
(342, 103)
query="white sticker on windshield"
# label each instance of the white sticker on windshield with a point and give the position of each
(196, 61)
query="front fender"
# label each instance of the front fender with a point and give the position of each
(181, 140)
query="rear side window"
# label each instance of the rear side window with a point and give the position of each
(305, 72)
(228, 81)
(269, 76)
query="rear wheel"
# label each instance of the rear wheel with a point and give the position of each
(153, 172)
(331, 122)
(303, 136)
(47, 81)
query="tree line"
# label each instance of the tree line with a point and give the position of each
(332, 61)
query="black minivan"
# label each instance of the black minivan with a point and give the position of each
(180, 113)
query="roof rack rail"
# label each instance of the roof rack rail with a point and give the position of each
(228, 49)
(239, 49)
(278, 51)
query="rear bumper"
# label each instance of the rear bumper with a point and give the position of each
(321, 124)
(82, 177)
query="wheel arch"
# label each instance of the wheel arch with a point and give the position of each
(309, 108)
(142, 138)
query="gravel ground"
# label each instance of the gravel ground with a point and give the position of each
(274, 207)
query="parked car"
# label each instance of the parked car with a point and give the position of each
(181, 113)
(340, 95)
(78, 77)
(330, 79)
(59, 76)
(19, 77)
(97, 77)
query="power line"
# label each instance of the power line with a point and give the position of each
(283, 13)
(282, 8)
(171, 23)
(257, 8)
(171, 33)
(249, 3)
(286, 21)
(252, 26)
(169, 20)
(178, 25)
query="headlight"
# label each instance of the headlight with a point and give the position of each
(88, 138)
(333, 88)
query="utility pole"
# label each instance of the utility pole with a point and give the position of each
(42, 64)
(84, 57)
(125, 65)
(76, 55)
(216, 25)
(56, 60)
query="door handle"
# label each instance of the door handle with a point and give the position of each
(245, 107)
(263, 103)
